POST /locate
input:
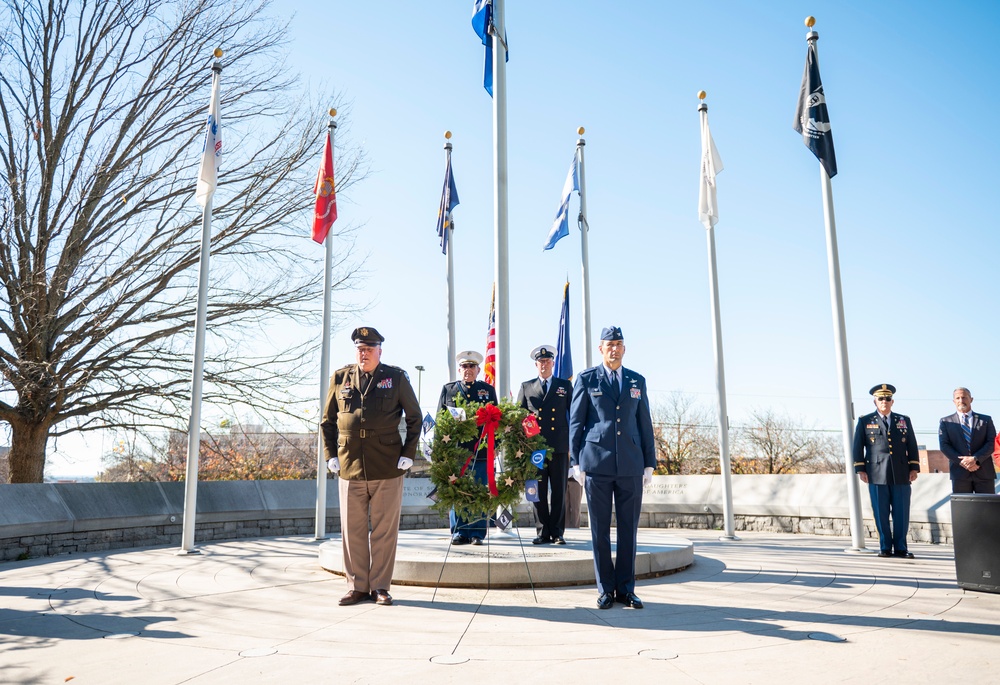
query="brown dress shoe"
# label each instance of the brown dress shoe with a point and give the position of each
(353, 597)
(382, 597)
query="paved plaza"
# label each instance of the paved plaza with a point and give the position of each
(767, 609)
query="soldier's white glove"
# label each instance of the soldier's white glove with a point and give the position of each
(333, 464)
(647, 476)
(404, 464)
(578, 475)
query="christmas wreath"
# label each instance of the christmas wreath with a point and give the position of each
(515, 451)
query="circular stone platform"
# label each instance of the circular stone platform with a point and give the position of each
(504, 561)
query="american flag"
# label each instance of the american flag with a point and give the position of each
(490, 365)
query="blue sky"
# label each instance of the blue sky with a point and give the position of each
(908, 86)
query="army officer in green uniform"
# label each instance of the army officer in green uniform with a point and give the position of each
(361, 436)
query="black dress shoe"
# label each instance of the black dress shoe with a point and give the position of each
(541, 540)
(477, 541)
(353, 597)
(559, 540)
(629, 599)
(903, 555)
(457, 539)
(606, 600)
(885, 554)
(382, 597)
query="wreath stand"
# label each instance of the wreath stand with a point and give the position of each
(520, 542)
(507, 427)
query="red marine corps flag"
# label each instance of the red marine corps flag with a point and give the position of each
(326, 195)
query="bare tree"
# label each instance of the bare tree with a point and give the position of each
(102, 110)
(231, 451)
(774, 443)
(685, 436)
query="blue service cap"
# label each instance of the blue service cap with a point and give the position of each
(612, 333)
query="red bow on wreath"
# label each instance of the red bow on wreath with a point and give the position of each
(488, 416)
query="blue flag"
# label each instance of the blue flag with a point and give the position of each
(482, 24)
(560, 227)
(811, 117)
(564, 358)
(449, 200)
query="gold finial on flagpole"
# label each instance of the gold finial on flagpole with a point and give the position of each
(333, 112)
(447, 135)
(580, 131)
(810, 21)
(702, 95)
(218, 53)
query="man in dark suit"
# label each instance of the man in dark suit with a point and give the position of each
(548, 398)
(611, 451)
(361, 437)
(886, 457)
(967, 440)
(463, 532)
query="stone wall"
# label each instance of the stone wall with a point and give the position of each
(57, 518)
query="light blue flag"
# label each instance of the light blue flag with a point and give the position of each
(560, 227)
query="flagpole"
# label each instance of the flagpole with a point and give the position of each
(720, 371)
(324, 365)
(450, 245)
(584, 251)
(500, 256)
(197, 374)
(840, 340)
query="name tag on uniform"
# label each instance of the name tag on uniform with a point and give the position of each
(636, 393)
(596, 393)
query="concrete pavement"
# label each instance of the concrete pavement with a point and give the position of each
(767, 609)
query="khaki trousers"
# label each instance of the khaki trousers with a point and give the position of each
(372, 505)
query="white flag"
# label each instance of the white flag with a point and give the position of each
(711, 164)
(208, 177)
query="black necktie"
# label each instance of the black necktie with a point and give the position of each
(545, 387)
(615, 388)
(366, 380)
(885, 423)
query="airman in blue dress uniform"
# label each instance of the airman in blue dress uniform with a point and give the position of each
(611, 450)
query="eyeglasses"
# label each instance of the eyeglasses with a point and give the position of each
(884, 399)
(468, 366)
